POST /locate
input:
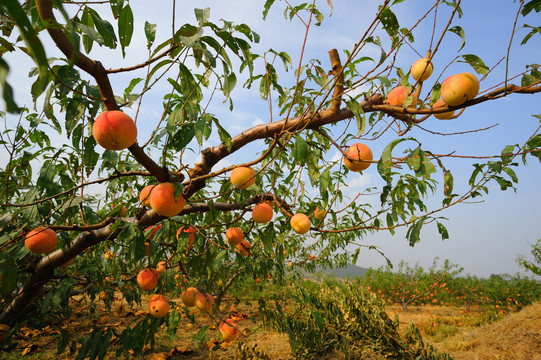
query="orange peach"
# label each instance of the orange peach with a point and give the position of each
(188, 296)
(41, 240)
(204, 302)
(148, 279)
(121, 210)
(114, 130)
(262, 213)
(163, 200)
(68, 263)
(300, 223)
(445, 115)
(228, 330)
(459, 88)
(234, 236)
(144, 195)
(399, 95)
(191, 235)
(242, 177)
(158, 306)
(421, 69)
(319, 213)
(244, 248)
(358, 157)
(161, 267)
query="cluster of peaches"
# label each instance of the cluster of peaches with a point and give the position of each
(455, 89)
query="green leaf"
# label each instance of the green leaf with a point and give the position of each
(125, 27)
(415, 231)
(90, 34)
(105, 29)
(266, 8)
(35, 47)
(150, 33)
(385, 163)
(358, 111)
(202, 15)
(460, 32)
(476, 63)
(301, 149)
(532, 5)
(443, 231)
(7, 90)
(535, 30)
(224, 135)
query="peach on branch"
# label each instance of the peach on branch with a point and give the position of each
(160, 268)
(108, 255)
(421, 69)
(68, 263)
(188, 296)
(459, 88)
(262, 213)
(399, 96)
(158, 306)
(191, 235)
(228, 330)
(359, 157)
(144, 195)
(164, 201)
(41, 240)
(445, 115)
(319, 213)
(244, 248)
(120, 209)
(148, 279)
(234, 236)
(242, 177)
(114, 130)
(300, 223)
(204, 302)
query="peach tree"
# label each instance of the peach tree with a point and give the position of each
(131, 172)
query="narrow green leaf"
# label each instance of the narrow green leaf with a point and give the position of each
(125, 27)
(150, 33)
(415, 231)
(105, 29)
(460, 32)
(443, 231)
(358, 111)
(476, 63)
(7, 90)
(267, 7)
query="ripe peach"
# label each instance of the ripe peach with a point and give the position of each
(114, 130)
(398, 96)
(258, 280)
(122, 209)
(160, 268)
(234, 236)
(421, 69)
(228, 331)
(242, 177)
(148, 279)
(41, 240)
(459, 88)
(262, 213)
(188, 296)
(144, 195)
(300, 223)
(243, 248)
(191, 235)
(319, 213)
(442, 116)
(147, 248)
(108, 255)
(358, 157)
(163, 200)
(158, 306)
(204, 302)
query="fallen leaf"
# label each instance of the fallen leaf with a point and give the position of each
(29, 350)
(160, 356)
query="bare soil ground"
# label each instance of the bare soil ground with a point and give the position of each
(478, 334)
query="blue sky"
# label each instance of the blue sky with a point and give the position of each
(485, 237)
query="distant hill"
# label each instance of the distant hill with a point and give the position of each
(350, 271)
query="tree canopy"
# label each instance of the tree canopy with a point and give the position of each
(61, 171)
